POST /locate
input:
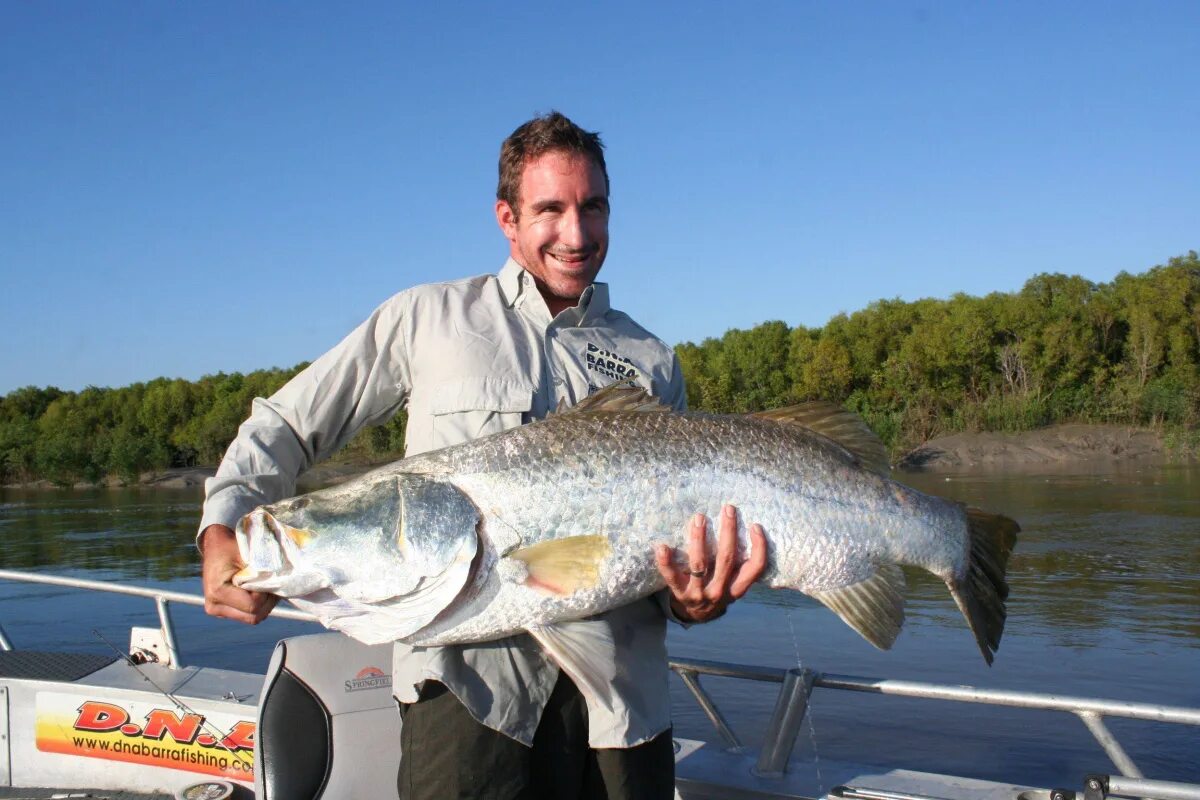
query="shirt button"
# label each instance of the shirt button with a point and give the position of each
(558, 381)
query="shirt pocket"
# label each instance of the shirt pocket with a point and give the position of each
(468, 408)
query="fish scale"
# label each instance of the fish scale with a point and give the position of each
(562, 517)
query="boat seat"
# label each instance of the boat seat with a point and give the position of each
(328, 726)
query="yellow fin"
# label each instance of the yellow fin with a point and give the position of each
(836, 423)
(564, 566)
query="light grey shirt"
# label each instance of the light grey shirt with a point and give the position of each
(468, 358)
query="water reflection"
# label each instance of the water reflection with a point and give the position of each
(122, 534)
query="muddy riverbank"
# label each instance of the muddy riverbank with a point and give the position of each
(1084, 446)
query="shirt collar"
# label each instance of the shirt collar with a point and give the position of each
(510, 281)
(517, 288)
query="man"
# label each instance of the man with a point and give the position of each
(473, 357)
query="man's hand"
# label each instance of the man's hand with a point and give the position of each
(222, 560)
(703, 591)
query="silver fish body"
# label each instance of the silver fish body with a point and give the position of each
(558, 520)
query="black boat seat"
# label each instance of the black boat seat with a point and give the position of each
(327, 724)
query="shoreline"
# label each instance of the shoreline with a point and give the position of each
(1072, 445)
(1056, 447)
(327, 474)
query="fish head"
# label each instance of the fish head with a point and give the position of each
(344, 536)
(368, 540)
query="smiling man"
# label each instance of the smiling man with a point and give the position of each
(556, 222)
(468, 358)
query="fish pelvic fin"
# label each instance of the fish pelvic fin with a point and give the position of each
(841, 426)
(874, 607)
(564, 566)
(981, 593)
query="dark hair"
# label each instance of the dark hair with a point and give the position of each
(538, 136)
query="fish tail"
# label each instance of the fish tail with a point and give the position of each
(981, 592)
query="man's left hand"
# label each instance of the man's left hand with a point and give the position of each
(702, 591)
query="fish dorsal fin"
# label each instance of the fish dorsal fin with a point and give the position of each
(874, 607)
(836, 423)
(623, 396)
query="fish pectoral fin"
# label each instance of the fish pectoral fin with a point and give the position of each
(562, 566)
(874, 607)
(586, 651)
(841, 426)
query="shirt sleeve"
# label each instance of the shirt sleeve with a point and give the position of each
(676, 393)
(362, 381)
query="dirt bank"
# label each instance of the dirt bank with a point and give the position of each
(1057, 446)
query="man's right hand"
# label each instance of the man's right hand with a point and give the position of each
(222, 560)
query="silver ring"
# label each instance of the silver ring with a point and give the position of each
(697, 574)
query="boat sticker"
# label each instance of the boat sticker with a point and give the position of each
(146, 733)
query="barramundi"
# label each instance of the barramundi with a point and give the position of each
(558, 520)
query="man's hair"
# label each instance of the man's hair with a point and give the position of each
(552, 132)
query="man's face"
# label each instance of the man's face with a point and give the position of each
(561, 233)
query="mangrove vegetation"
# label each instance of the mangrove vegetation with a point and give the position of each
(1062, 349)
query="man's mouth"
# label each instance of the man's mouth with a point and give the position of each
(575, 260)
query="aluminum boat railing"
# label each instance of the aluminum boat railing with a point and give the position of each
(791, 705)
(798, 684)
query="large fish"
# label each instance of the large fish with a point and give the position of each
(557, 520)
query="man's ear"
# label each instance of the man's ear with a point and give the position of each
(506, 218)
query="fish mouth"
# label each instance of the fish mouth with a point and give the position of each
(269, 549)
(263, 520)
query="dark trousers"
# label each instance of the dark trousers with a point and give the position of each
(447, 755)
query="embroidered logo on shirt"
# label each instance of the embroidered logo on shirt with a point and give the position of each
(610, 364)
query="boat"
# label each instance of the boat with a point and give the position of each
(320, 722)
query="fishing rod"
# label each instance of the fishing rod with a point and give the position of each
(182, 706)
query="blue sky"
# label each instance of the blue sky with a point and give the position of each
(199, 187)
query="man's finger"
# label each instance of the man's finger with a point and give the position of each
(214, 609)
(752, 568)
(726, 551)
(698, 550)
(238, 604)
(676, 578)
(244, 600)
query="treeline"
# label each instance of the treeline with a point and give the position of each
(69, 437)
(1061, 349)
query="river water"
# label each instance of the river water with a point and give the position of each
(1105, 602)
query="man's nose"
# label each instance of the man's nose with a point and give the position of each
(570, 229)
